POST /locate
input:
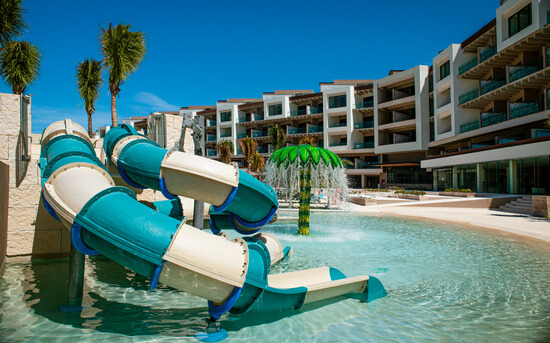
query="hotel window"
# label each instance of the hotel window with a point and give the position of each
(225, 116)
(337, 101)
(444, 70)
(519, 21)
(275, 109)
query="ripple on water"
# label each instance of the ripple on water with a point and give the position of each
(445, 283)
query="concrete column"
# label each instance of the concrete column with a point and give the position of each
(480, 177)
(455, 176)
(512, 177)
(363, 182)
(434, 178)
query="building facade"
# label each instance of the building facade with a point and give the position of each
(473, 119)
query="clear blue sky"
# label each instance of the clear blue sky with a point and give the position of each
(199, 52)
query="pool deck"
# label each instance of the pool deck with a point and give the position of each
(507, 222)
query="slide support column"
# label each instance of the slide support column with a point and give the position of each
(76, 277)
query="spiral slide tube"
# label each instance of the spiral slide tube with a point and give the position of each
(233, 275)
(144, 164)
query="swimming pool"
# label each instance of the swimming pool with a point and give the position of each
(445, 283)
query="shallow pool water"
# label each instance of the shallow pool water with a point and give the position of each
(446, 283)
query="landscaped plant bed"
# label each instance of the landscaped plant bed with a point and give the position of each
(412, 197)
(458, 194)
(362, 201)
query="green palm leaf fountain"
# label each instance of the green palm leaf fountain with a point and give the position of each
(302, 167)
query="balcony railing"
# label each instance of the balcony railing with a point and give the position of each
(518, 72)
(211, 152)
(241, 135)
(239, 151)
(468, 96)
(258, 117)
(364, 104)
(315, 110)
(469, 126)
(520, 109)
(487, 86)
(338, 144)
(364, 125)
(367, 165)
(364, 145)
(491, 118)
(486, 53)
(210, 138)
(262, 150)
(467, 66)
(338, 125)
(257, 134)
(225, 135)
(292, 131)
(242, 119)
(313, 129)
(211, 122)
(302, 130)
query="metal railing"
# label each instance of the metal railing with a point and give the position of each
(467, 66)
(520, 109)
(488, 86)
(469, 126)
(491, 118)
(486, 53)
(468, 96)
(518, 72)
(364, 145)
(364, 125)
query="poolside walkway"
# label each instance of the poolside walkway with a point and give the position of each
(517, 224)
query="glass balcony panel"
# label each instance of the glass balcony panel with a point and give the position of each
(467, 66)
(469, 126)
(491, 118)
(364, 125)
(211, 152)
(314, 110)
(518, 72)
(520, 109)
(486, 53)
(210, 138)
(241, 135)
(338, 125)
(488, 86)
(468, 96)
(312, 129)
(364, 145)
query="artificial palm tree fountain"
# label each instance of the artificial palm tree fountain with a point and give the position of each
(305, 166)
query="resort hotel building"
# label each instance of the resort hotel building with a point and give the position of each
(474, 119)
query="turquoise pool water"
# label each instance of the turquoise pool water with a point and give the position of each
(446, 283)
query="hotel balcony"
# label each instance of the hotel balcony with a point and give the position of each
(338, 127)
(398, 104)
(364, 106)
(491, 118)
(225, 135)
(210, 152)
(521, 109)
(364, 126)
(210, 138)
(399, 122)
(486, 53)
(528, 78)
(490, 85)
(241, 135)
(210, 123)
(469, 126)
(363, 145)
(467, 66)
(307, 111)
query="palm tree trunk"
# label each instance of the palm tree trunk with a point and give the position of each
(305, 199)
(90, 133)
(113, 110)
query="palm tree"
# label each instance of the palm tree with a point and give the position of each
(248, 147)
(278, 136)
(123, 51)
(257, 163)
(19, 65)
(88, 80)
(12, 24)
(225, 150)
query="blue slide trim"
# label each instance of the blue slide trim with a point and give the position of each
(236, 228)
(227, 201)
(164, 190)
(50, 209)
(76, 238)
(155, 276)
(255, 225)
(126, 179)
(213, 227)
(216, 311)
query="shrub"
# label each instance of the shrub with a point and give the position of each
(458, 190)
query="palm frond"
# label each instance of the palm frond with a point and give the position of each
(12, 24)
(88, 81)
(19, 64)
(123, 51)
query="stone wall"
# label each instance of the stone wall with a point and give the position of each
(31, 230)
(541, 205)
